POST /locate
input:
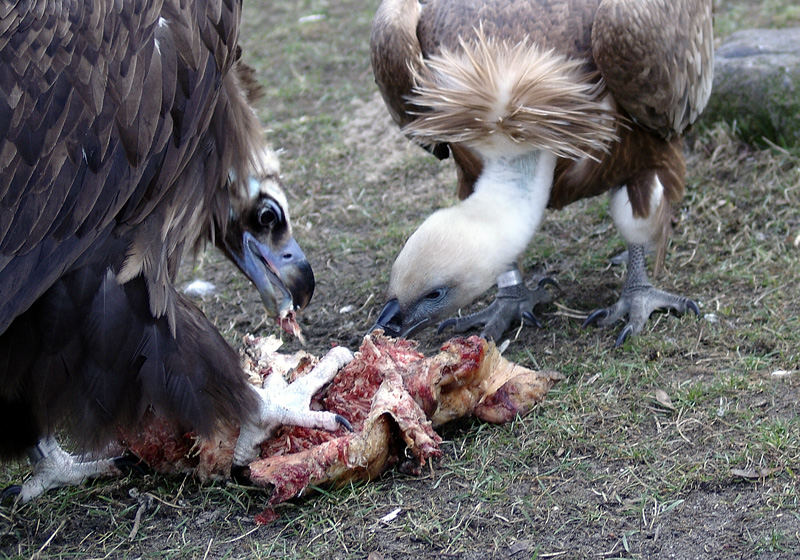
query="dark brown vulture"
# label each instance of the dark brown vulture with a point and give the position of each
(126, 139)
(539, 103)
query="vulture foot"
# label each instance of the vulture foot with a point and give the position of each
(285, 403)
(638, 300)
(53, 468)
(514, 302)
(638, 303)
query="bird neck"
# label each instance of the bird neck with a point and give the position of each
(512, 193)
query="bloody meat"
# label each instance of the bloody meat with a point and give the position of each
(393, 396)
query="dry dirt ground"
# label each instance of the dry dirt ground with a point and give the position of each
(684, 443)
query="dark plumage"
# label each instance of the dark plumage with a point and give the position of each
(496, 85)
(127, 139)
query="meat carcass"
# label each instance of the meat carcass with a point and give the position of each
(392, 395)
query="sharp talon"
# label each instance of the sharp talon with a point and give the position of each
(530, 319)
(595, 316)
(693, 306)
(241, 474)
(446, 324)
(547, 280)
(486, 335)
(345, 424)
(623, 336)
(10, 493)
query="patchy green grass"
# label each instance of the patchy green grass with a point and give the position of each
(737, 14)
(606, 466)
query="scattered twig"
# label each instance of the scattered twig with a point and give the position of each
(391, 516)
(144, 504)
(208, 548)
(565, 311)
(242, 536)
(165, 502)
(767, 292)
(755, 473)
(38, 553)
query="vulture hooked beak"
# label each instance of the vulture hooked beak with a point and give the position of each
(403, 323)
(282, 275)
(390, 320)
(260, 243)
(393, 323)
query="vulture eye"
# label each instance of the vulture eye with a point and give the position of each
(269, 215)
(434, 295)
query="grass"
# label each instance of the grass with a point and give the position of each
(602, 468)
(732, 15)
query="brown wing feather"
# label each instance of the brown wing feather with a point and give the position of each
(562, 25)
(119, 123)
(406, 31)
(60, 144)
(394, 47)
(657, 59)
(655, 55)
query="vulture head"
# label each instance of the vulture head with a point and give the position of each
(258, 239)
(458, 252)
(449, 261)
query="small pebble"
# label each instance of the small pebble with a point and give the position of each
(199, 288)
(311, 17)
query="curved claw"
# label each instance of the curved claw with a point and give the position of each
(10, 493)
(530, 319)
(623, 336)
(594, 317)
(547, 281)
(446, 324)
(463, 324)
(490, 332)
(345, 423)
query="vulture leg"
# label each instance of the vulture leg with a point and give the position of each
(639, 299)
(514, 302)
(289, 403)
(53, 468)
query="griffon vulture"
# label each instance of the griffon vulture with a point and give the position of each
(126, 139)
(539, 103)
